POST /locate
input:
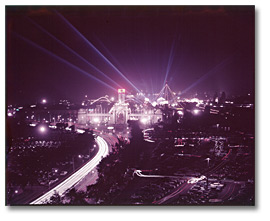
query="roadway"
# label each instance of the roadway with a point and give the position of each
(229, 190)
(183, 189)
(92, 177)
(186, 186)
(76, 177)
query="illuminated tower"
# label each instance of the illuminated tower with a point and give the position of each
(167, 94)
(121, 96)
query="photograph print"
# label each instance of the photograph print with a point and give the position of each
(130, 105)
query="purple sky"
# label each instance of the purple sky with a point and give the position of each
(198, 49)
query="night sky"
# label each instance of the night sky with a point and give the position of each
(59, 52)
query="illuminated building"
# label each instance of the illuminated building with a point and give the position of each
(119, 113)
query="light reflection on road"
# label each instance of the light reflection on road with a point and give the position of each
(78, 175)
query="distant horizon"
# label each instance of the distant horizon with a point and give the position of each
(78, 101)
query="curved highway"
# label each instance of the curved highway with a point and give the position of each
(186, 186)
(78, 175)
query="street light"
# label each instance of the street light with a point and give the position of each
(44, 101)
(42, 129)
(207, 159)
(196, 111)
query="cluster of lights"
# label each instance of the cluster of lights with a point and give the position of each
(194, 100)
(146, 99)
(195, 180)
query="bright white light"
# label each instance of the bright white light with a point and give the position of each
(180, 112)
(196, 111)
(80, 131)
(32, 125)
(146, 99)
(52, 126)
(194, 100)
(96, 120)
(164, 102)
(44, 101)
(144, 120)
(9, 114)
(110, 128)
(154, 103)
(42, 129)
(112, 98)
(195, 180)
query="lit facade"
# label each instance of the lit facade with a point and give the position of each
(119, 113)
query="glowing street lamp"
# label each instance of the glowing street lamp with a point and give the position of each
(42, 129)
(196, 111)
(207, 159)
(44, 101)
